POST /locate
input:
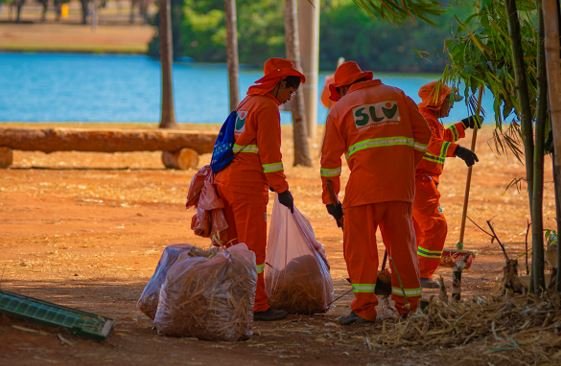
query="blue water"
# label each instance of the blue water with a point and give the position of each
(46, 87)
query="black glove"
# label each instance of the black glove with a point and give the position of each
(335, 210)
(285, 198)
(472, 121)
(466, 155)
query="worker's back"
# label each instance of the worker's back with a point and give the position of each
(383, 135)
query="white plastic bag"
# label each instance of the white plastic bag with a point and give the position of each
(209, 298)
(148, 301)
(297, 275)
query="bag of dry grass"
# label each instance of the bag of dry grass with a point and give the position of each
(148, 301)
(209, 296)
(297, 275)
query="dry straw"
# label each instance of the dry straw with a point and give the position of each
(299, 288)
(209, 296)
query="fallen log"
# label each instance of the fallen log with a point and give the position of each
(180, 148)
(64, 139)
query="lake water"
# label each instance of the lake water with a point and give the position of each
(50, 87)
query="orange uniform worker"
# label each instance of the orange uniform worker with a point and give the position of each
(257, 167)
(383, 137)
(430, 225)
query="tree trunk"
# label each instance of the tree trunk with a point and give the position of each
(308, 24)
(84, 7)
(523, 97)
(232, 52)
(167, 119)
(301, 148)
(552, 30)
(114, 140)
(538, 275)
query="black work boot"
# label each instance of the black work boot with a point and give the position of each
(352, 318)
(429, 283)
(270, 314)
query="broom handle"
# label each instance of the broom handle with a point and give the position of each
(468, 179)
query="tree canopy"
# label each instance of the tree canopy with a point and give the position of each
(345, 30)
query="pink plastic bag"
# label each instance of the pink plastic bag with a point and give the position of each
(209, 297)
(297, 275)
(196, 186)
(148, 301)
(209, 219)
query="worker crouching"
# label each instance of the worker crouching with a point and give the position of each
(382, 135)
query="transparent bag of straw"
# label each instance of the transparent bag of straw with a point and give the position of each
(297, 275)
(210, 298)
(148, 301)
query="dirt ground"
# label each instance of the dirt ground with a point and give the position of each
(86, 230)
(113, 34)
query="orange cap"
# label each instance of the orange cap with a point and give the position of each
(347, 73)
(434, 94)
(277, 68)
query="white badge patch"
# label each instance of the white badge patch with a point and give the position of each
(240, 122)
(376, 114)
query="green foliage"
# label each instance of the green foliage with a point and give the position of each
(400, 11)
(413, 46)
(345, 31)
(480, 55)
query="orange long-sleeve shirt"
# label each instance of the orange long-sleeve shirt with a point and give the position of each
(441, 144)
(258, 160)
(383, 136)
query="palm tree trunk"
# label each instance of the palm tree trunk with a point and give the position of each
(167, 118)
(552, 30)
(232, 52)
(301, 148)
(538, 276)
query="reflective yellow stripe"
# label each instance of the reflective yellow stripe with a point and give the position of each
(420, 147)
(454, 131)
(260, 268)
(434, 158)
(330, 172)
(364, 287)
(385, 142)
(407, 292)
(444, 149)
(423, 252)
(273, 167)
(245, 149)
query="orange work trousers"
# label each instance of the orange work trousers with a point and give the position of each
(361, 255)
(247, 220)
(430, 224)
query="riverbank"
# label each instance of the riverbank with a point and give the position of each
(66, 37)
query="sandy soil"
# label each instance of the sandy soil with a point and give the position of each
(86, 230)
(113, 33)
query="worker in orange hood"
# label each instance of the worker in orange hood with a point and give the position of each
(382, 135)
(430, 225)
(257, 168)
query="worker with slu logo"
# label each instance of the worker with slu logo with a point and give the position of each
(430, 225)
(257, 168)
(382, 135)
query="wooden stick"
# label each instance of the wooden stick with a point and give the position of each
(460, 244)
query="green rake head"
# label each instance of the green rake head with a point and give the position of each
(78, 322)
